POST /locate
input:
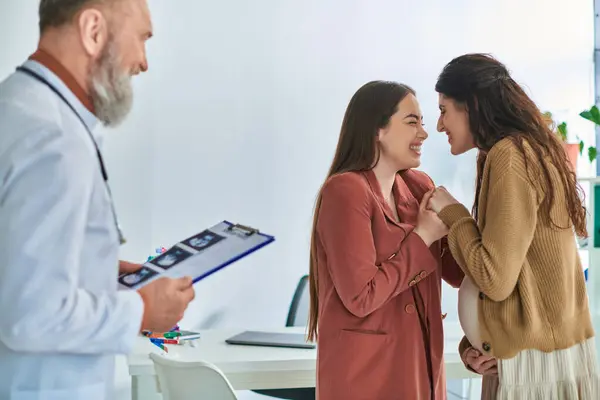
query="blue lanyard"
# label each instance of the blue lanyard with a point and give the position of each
(98, 153)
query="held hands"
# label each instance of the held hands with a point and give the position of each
(165, 301)
(440, 199)
(480, 363)
(429, 226)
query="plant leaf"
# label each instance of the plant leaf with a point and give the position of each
(562, 131)
(592, 153)
(595, 115)
(548, 119)
(581, 145)
(586, 115)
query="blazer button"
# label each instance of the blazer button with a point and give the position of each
(486, 346)
(412, 283)
(481, 295)
(417, 279)
(423, 274)
(409, 308)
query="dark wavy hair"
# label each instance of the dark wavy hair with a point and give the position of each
(499, 108)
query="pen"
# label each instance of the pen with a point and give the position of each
(164, 348)
(164, 341)
(166, 335)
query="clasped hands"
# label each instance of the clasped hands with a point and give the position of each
(437, 199)
(431, 228)
(480, 363)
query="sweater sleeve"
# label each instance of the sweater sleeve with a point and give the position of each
(344, 227)
(451, 271)
(493, 257)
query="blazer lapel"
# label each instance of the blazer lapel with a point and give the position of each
(376, 189)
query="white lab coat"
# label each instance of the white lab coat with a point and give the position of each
(62, 319)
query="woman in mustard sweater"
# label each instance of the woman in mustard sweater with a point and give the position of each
(523, 301)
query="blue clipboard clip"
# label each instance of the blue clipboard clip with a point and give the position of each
(246, 230)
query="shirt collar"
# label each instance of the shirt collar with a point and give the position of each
(58, 76)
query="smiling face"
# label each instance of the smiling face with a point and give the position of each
(133, 28)
(128, 27)
(401, 139)
(454, 121)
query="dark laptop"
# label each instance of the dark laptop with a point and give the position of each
(271, 339)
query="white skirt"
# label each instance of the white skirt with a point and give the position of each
(569, 374)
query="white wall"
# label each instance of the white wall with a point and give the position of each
(254, 99)
(239, 114)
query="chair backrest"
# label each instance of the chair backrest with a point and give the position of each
(199, 380)
(298, 314)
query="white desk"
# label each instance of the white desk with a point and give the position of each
(254, 367)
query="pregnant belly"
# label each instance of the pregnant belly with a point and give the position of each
(468, 313)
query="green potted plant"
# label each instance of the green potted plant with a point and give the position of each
(593, 115)
(572, 149)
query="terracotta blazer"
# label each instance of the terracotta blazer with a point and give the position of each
(380, 334)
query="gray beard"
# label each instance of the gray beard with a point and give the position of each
(111, 90)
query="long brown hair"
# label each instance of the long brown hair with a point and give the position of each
(499, 108)
(370, 109)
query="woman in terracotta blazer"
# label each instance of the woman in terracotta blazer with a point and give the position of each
(377, 258)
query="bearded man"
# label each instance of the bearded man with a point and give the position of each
(62, 319)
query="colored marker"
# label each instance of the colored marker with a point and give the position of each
(171, 335)
(156, 336)
(164, 348)
(164, 341)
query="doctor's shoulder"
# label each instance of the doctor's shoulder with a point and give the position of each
(22, 129)
(25, 109)
(26, 131)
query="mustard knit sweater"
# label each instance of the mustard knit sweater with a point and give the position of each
(533, 293)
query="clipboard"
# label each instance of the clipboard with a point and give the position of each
(200, 255)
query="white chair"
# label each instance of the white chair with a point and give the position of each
(180, 380)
